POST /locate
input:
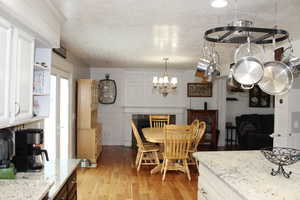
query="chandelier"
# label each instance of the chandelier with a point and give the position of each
(164, 84)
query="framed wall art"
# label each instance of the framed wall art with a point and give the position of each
(199, 89)
(257, 98)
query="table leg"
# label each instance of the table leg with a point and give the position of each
(173, 166)
(156, 169)
(227, 138)
(231, 137)
(236, 138)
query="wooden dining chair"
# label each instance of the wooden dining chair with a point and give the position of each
(159, 121)
(184, 129)
(195, 124)
(147, 153)
(176, 148)
(198, 133)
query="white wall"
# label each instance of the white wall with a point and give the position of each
(111, 115)
(77, 70)
(240, 107)
(135, 90)
(287, 113)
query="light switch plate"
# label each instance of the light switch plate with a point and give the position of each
(295, 122)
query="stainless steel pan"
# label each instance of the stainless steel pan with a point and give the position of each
(248, 71)
(278, 78)
(248, 68)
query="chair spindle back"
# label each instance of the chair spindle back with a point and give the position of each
(159, 121)
(177, 145)
(198, 132)
(137, 136)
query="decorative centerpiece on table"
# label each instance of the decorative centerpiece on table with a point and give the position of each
(281, 156)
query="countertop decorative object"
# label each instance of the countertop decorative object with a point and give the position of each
(35, 185)
(281, 157)
(244, 175)
(107, 90)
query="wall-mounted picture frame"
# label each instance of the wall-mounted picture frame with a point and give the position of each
(199, 90)
(257, 98)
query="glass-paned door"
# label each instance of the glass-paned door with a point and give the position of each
(50, 123)
(57, 126)
(64, 117)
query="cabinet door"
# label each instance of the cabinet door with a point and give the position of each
(62, 194)
(5, 55)
(24, 61)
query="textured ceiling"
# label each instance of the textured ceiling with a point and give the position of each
(139, 33)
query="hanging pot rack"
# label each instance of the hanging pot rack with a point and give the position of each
(258, 35)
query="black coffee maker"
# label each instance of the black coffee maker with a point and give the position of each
(6, 147)
(7, 169)
(29, 152)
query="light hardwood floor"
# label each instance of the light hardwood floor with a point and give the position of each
(117, 179)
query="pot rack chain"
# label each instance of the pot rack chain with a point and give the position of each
(276, 13)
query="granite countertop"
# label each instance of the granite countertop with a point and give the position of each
(248, 173)
(35, 185)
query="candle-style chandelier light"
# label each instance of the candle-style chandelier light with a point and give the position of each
(164, 84)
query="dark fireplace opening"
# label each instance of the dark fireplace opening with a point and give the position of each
(142, 121)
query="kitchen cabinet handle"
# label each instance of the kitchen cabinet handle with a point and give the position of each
(19, 109)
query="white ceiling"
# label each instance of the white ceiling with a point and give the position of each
(139, 33)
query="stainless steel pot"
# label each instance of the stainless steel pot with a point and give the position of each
(231, 83)
(203, 65)
(248, 68)
(6, 147)
(291, 60)
(209, 64)
(277, 79)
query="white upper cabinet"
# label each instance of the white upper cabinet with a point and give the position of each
(22, 79)
(42, 17)
(21, 64)
(5, 55)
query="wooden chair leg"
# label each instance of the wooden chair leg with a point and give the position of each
(165, 169)
(156, 157)
(137, 158)
(193, 161)
(187, 169)
(197, 164)
(153, 158)
(190, 159)
(140, 161)
(162, 166)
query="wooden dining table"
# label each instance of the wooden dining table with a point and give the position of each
(156, 135)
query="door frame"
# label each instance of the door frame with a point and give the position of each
(56, 71)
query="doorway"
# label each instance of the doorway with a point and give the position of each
(57, 125)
